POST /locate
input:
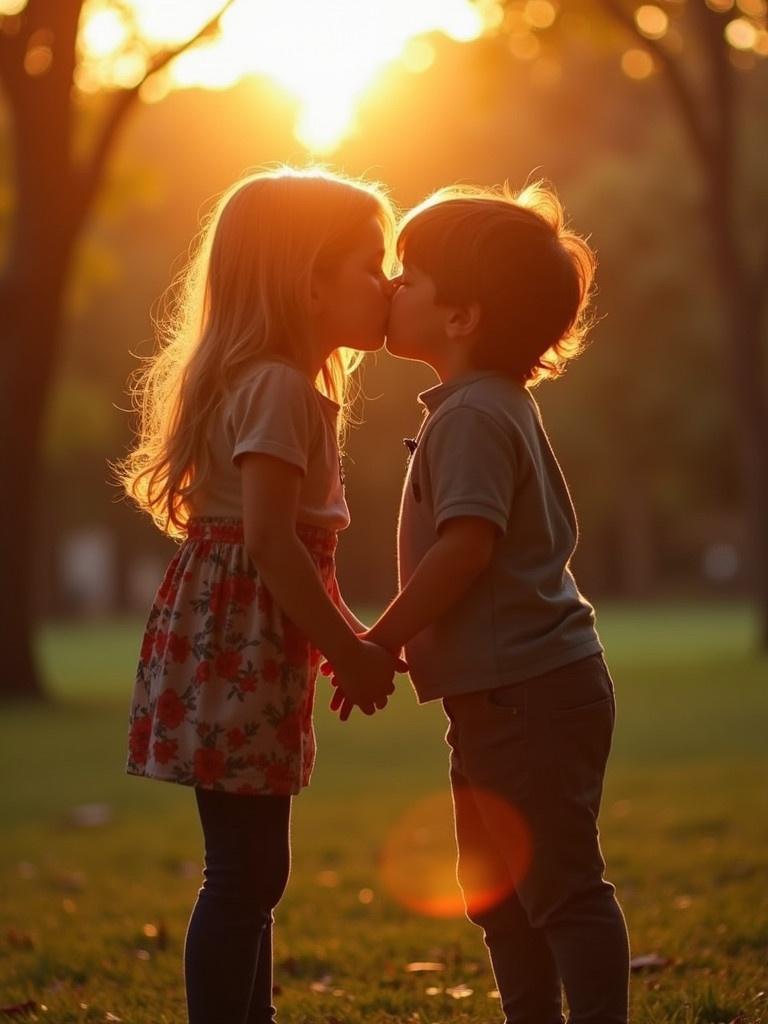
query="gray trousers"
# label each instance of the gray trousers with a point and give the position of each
(527, 767)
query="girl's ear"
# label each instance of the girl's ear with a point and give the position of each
(463, 321)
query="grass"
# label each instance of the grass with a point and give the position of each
(92, 919)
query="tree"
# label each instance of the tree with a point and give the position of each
(55, 187)
(704, 49)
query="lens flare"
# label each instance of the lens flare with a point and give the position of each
(418, 860)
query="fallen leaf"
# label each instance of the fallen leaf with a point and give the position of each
(19, 940)
(418, 966)
(90, 815)
(19, 1009)
(649, 962)
(459, 992)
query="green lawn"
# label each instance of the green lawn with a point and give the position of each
(684, 826)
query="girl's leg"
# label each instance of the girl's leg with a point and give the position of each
(247, 861)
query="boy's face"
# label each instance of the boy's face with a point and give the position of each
(417, 324)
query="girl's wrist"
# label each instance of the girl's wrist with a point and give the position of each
(343, 649)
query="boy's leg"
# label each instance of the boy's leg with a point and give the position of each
(247, 861)
(542, 745)
(523, 965)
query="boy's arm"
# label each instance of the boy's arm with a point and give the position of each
(463, 549)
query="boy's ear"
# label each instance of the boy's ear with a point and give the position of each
(463, 321)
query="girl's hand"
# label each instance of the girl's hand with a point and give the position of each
(366, 675)
(342, 703)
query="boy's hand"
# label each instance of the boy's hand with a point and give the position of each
(366, 675)
(342, 704)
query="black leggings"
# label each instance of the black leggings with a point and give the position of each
(228, 947)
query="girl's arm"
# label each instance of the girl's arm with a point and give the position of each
(271, 490)
(352, 620)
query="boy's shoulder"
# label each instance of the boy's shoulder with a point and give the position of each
(501, 398)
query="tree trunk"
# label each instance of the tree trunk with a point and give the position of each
(748, 373)
(31, 327)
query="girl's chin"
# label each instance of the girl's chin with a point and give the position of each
(396, 347)
(371, 345)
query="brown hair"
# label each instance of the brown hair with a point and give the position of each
(514, 256)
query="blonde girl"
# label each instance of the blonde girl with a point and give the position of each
(237, 457)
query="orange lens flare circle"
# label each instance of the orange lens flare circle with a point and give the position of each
(418, 862)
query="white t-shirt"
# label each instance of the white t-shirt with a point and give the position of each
(276, 411)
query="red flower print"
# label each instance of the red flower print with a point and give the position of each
(138, 740)
(170, 709)
(265, 600)
(228, 663)
(178, 646)
(165, 750)
(166, 591)
(288, 731)
(243, 589)
(236, 738)
(248, 683)
(270, 670)
(296, 646)
(161, 639)
(203, 672)
(218, 598)
(147, 645)
(279, 776)
(208, 765)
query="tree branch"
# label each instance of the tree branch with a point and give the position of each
(92, 172)
(686, 99)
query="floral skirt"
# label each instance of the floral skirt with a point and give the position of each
(225, 682)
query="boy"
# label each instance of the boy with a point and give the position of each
(493, 297)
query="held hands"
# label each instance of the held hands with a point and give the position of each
(365, 681)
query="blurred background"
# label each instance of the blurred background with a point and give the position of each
(648, 119)
(120, 121)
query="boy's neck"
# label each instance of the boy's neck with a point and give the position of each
(452, 365)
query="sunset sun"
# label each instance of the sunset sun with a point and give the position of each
(328, 56)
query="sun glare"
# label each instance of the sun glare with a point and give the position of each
(328, 55)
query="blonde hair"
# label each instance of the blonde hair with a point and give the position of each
(243, 295)
(515, 256)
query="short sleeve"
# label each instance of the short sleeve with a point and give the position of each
(271, 414)
(471, 461)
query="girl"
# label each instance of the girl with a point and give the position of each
(237, 456)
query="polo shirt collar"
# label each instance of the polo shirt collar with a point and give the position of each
(433, 397)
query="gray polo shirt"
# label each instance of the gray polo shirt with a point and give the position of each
(482, 451)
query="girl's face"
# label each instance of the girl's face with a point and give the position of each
(351, 304)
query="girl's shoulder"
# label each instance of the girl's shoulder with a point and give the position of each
(273, 382)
